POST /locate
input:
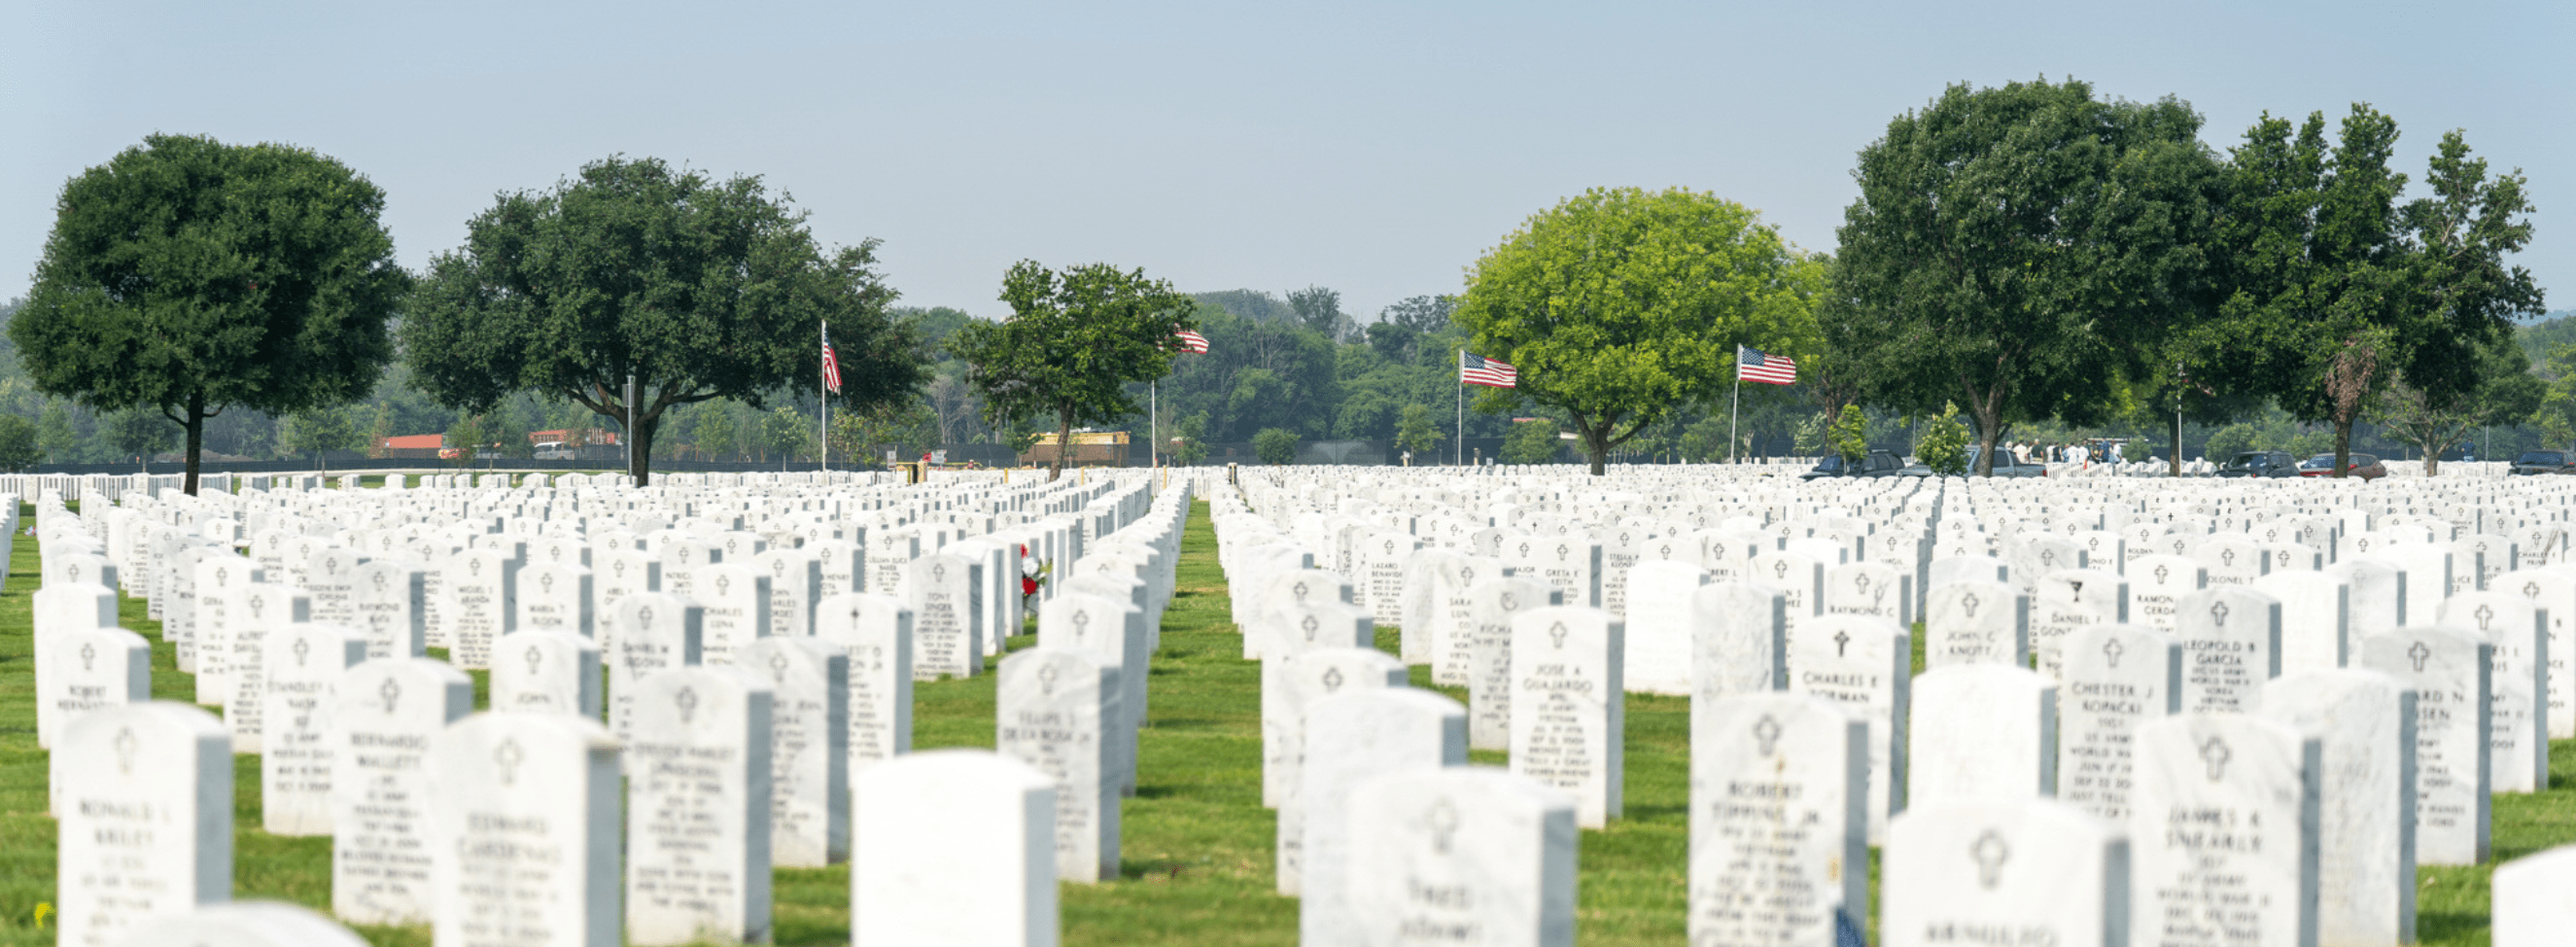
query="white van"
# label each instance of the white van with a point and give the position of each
(554, 450)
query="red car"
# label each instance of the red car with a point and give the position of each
(2365, 466)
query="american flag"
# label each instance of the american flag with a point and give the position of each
(1753, 365)
(1192, 341)
(1474, 369)
(831, 365)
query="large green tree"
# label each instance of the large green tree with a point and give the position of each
(2015, 250)
(1620, 304)
(2340, 290)
(1071, 346)
(697, 288)
(189, 277)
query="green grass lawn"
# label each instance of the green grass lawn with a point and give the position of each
(1197, 845)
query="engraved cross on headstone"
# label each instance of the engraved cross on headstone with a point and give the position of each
(1842, 642)
(2111, 651)
(1766, 731)
(1443, 823)
(2215, 754)
(1990, 853)
(2218, 613)
(508, 756)
(2419, 652)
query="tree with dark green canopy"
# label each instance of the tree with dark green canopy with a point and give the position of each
(2016, 250)
(697, 288)
(2339, 290)
(188, 277)
(1072, 344)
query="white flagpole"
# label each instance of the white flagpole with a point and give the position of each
(1735, 413)
(1462, 407)
(1154, 424)
(823, 409)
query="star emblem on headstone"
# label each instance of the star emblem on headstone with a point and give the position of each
(508, 756)
(1990, 853)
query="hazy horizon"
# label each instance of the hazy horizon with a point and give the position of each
(1377, 149)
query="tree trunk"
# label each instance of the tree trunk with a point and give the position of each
(1990, 429)
(1596, 444)
(196, 428)
(2432, 463)
(2343, 444)
(2175, 467)
(1063, 443)
(640, 465)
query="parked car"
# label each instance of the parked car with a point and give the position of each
(1879, 463)
(2260, 463)
(2542, 462)
(2365, 466)
(554, 450)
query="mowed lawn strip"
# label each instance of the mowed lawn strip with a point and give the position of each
(1197, 847)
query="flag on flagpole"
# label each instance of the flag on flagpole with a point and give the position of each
(831, 365)
(1474, 369)
(1192, 341)
(1755, 365)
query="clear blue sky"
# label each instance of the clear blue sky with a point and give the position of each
(1377, 148)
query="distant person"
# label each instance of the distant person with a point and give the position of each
(2075, 454)
(2119, 453)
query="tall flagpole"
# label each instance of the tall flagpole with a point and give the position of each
(1154, 424)
(1462, 408)
(823, 405)
(1735, 412)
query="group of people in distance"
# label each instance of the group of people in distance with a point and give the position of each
(2111, 452)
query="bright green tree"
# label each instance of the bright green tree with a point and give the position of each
(1619, 304)
(1418, 432)
(1532, 442)
(1072, 344)
(135, 433)
(699, 289)
(713, 431)
(1849, 434)
(786, 432)
(56, 433)
(189, 277)
(2014, 249)
(1275, 446)
(1943, 444)
(468, 438)
(320, 430)
(1193, 440)
(19, 450)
